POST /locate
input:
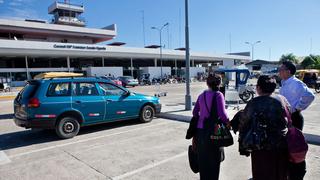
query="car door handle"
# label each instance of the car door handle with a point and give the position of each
(109, 100)
(77, 102)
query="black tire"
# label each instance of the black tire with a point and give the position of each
(67, 127)
(246, 96)
(317, 88)
(147, 113)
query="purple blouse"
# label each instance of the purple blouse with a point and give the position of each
(201, 111)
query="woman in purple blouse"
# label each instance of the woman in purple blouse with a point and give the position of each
(209, 156)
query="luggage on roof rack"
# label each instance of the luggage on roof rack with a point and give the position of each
(57, 75)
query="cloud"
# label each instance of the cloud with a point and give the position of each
(19, 9)
(24, 13)
(14, 3)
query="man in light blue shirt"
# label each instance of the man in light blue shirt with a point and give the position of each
(299, 97)
(297, 93)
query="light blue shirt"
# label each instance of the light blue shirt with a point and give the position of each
(297, 93)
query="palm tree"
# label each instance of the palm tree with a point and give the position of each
(288, 57)
(316, 62)
(308, 62)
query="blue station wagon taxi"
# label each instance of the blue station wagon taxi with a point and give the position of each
(66, 104)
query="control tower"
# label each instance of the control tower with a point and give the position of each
(67, 14)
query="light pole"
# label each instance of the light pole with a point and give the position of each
(252, 46)
(188, 103)
(160, 31)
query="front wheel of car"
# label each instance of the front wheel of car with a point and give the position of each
(67, 127)
(147, 113)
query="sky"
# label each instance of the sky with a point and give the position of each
(216, 26)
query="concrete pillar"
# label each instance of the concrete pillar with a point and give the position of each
(155, 62)
(68, 63)
(102, 61)
(131, 62)
(193, 63)
(27, 68)
(176, 67)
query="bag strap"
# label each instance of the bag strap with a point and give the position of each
(213, 104)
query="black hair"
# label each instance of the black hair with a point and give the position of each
(267, 84)
(214, 81)
(290, 66)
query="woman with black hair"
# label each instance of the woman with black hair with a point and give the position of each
(209, 155)
(263, 129)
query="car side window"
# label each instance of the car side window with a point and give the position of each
(111, 90)
(59, 89)
(84, 89)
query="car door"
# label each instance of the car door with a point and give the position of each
(87, 100)
(120, 104)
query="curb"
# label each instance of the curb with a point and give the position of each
(181, 118)
(7, 97)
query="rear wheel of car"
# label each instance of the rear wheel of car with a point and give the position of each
(317, 88)
(147, 113)
(67, 127)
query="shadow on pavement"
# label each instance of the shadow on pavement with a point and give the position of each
(6, 116)
(312, 139)
(31, 137)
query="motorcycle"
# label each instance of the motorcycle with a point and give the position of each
(145, 79)
(246, 95)
(246, 92)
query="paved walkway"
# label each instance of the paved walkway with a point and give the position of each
(311, 132)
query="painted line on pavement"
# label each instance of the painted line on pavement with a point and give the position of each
(150, 166)
(81, 141)
(4, 159)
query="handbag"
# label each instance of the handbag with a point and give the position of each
(219, 134)
(297, 145)
(193, 159)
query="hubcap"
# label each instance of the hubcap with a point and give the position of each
(68, 127)
(148, 114)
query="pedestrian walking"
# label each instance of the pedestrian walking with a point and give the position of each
(225, 83)
(209, 155)
(299, 97)
(262, 133)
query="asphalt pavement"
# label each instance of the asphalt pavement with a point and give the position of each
(128, 150)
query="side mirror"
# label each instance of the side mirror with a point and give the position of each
(127, 93)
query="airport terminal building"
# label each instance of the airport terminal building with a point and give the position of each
(30, 47)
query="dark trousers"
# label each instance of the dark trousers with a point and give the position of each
(269, 164)
(209, 156)
(297, 170)
(297, 120)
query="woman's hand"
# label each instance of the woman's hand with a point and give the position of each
(228, 125)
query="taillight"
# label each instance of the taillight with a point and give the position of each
(34, 103)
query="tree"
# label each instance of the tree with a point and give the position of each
(316, 64)
(308, 62)
(288, 57)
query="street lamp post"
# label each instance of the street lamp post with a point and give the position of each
(252, 47)
(160, 32)
(188, 103)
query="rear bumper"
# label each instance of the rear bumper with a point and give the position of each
(157, 108)
(35, 123)
(132, 83)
